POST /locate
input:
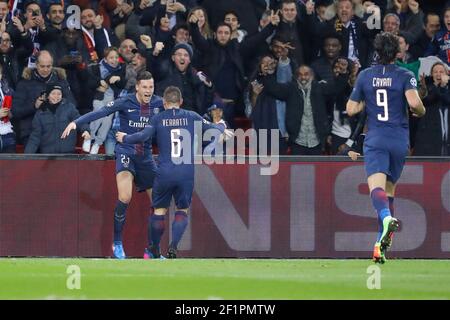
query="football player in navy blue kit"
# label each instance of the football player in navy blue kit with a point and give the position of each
(174, 131)
(134, 162)
(385, 90)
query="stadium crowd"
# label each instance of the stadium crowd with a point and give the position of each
(288, 65)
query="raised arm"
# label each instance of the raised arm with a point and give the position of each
(137, 137)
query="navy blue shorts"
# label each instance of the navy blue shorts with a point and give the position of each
(181, 191)
(142, 167)
(382, 155)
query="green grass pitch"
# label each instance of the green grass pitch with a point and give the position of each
(256, 279)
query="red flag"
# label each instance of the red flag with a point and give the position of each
(7, 103)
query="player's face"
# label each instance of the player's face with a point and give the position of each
(289, 12)
(87, 18)
(3, 9)
(391, 25)
(181, 59)
(345, 11)
(232, 20)
(55, 96)
(56, 14)
(433, 25)
(144, 90)
(438, 73)
(332, 48)
(223, 35)
(126, 48)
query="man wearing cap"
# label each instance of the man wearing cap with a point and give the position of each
(196, 88)
(50, 121)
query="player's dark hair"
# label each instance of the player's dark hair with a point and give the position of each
(144, 75)
(172, 95)
(387, 46)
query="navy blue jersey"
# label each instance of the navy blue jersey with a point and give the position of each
(133, 116)
(174, 130)
(383, 88)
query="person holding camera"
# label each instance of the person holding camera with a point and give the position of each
(49, 122)
(27, 97)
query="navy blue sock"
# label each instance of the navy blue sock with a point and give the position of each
(380, 229)
(381, 204)
(119, 220)
(157, 226)
(179, 225)
(391, 205)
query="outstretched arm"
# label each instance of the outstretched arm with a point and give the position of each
(137, 137)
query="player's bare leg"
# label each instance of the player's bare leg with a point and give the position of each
(387, 224)
(124, 180)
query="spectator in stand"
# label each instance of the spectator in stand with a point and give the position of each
(108, 77)
(96, 38)
(35, 24)
(411, 18)
(342, 126)
(249, 12)
(196, 88)
(7, 135)
(28, 97)
(432, 26)
(294, 28)
(433, 133)
(356, 36)
(49, 123)
(119, 17)
(55, 25)
(70, 53)
(440, 43)
(232, 19)
(263, 107)
(12, 58)
(203, 23)
(133, 28)
(104, 8)
(306, 114)
(391, 23)
(224, 62)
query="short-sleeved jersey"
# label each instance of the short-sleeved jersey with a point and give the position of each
(383, 88)
(171, 128)
(133, 116)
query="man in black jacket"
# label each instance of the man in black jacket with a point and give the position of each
(224, 62)
(306, 115)
(28, 97)
(197, 90)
